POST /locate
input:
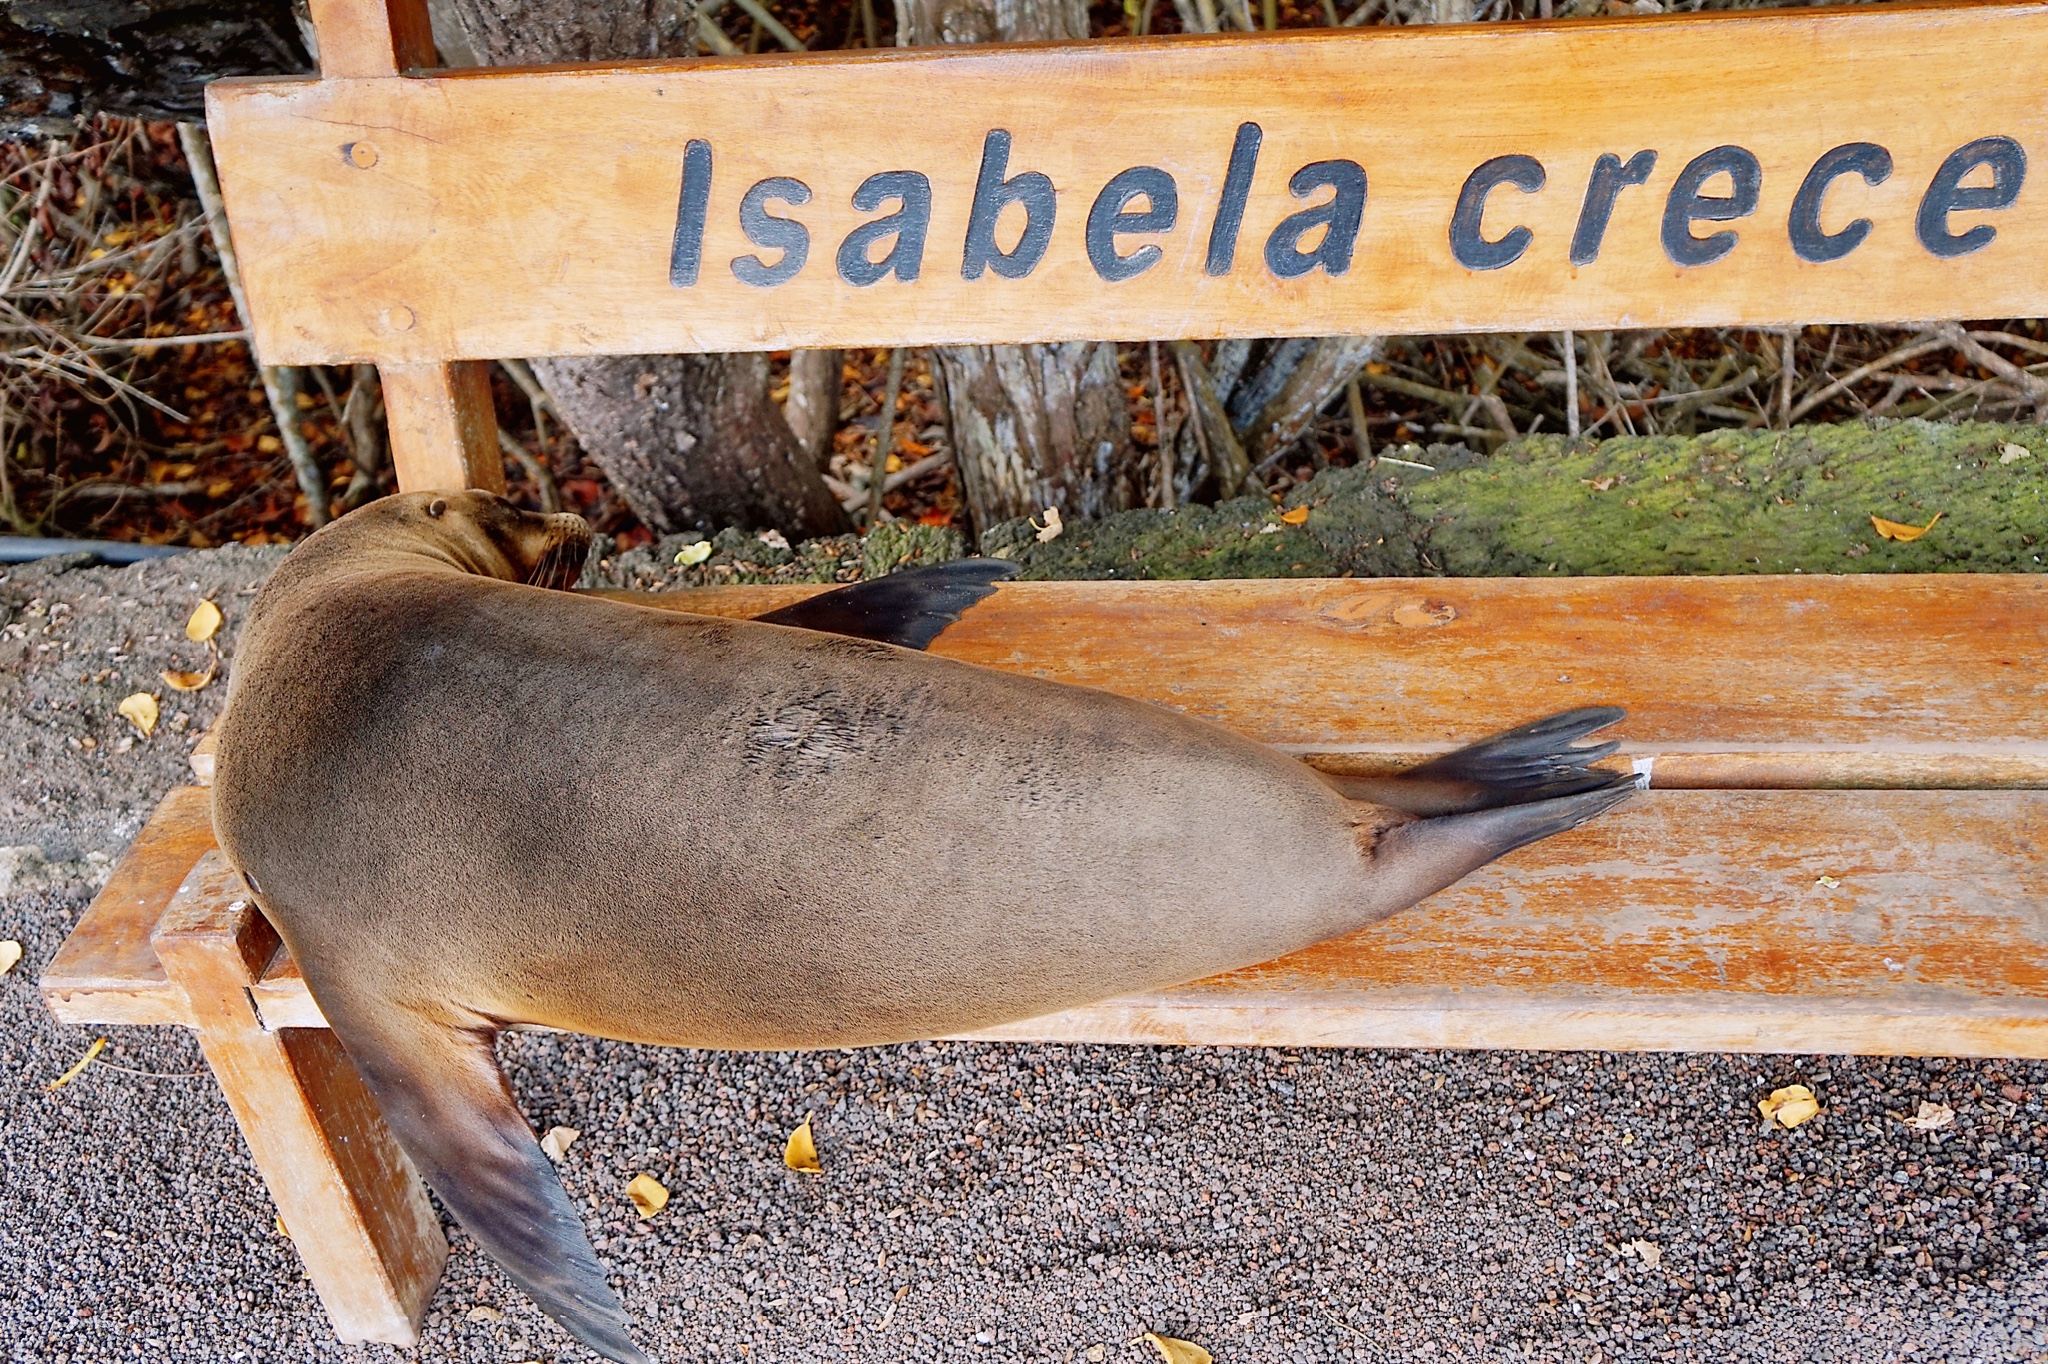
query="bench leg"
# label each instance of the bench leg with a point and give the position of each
(347, 1195)
(444, 434)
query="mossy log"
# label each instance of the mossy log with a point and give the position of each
(1798, 501)
(1727, 502)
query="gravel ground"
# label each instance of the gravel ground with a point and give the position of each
(996, 1202)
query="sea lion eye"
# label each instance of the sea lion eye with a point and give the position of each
(436, 507)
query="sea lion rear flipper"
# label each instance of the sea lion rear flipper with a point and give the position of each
(1416, 859)
(446, 1101)
(908, 608)
(1534, 762)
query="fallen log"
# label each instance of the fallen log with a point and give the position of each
(1798, 501)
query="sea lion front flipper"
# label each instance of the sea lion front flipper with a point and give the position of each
(908, 608)
(1537, 761)
(446, 1101)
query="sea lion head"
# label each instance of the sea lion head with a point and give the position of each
(489, 535)
(481, 533)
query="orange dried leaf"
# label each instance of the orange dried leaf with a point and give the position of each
(649, 1195)
(204, 623)
(1893, 530)
(140, 710)
(1790, 1106)
(800, 1152)
(1295, 516)
(179, 681)
(1178, 1351)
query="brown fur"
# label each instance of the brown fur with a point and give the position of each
(469, 802)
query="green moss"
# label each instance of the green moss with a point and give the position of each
(1243, 538)
(1744, 502)
(1725, 502)
(895, 545)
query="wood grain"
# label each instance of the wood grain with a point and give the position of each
(350, 1199)
(367, 38)
(534, 212)
(444, 433)
(1766, 681)
(106, 971)
(1684, 921)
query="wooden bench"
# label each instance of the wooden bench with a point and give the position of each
(1786, 740)
(1841, 846)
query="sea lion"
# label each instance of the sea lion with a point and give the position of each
(468, 802)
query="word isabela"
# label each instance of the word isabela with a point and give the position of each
(1144, 202)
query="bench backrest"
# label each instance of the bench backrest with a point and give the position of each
(1761, 169)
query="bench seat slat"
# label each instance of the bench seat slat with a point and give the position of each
(1774, 681)
(1687, 920)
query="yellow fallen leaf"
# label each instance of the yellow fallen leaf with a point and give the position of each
(558, 1140)
(1645, 1251)
(1931, 1117)
(648, 1195)
(1295, 516)
(1050, 531)
(140, 711)
(1894, 530)
(1178, 1351)
(204, 624)
(800, 1152)
(2010, 453)
(91, 1054)
(689, 556)
(1790, 1106)
(179, 681)
(282, 1229)
(10, 956)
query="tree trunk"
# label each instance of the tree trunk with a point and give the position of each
(692, 442)
(60, 63)
(1032, 426)
(816, 382)
(1317, 374)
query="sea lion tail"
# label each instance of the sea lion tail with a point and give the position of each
(1418, 858)
(1539, 761)
(437, 1080)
